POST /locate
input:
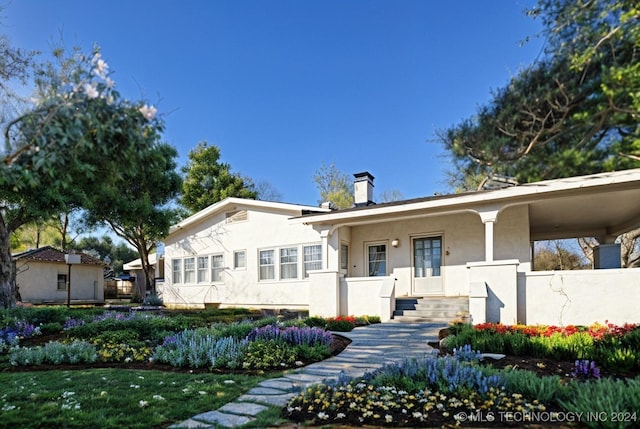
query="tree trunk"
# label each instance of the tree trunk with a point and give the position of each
(7, 268)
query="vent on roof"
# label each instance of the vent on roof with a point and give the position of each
(497, 182)
(237, 216)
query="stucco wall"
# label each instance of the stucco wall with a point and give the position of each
(463, 239)
(580, 297)
(38, 282)
(240, 287)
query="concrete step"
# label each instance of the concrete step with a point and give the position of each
(435, 312)
(431, 309)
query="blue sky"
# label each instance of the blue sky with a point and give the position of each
(283, 86)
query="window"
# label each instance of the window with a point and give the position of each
(203, 269)
(239, 259)
(377, 260)
(176, 265)
(427, 256)
(289, 263)
(267, 265)
(189, 270)
(62, 282)
(344, 257)
(312, 258)
(217, 268)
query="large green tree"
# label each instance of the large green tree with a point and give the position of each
(138, 208)
(78, 136)
(208, 180)
(575, 111)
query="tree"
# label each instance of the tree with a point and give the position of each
(207, 180)
(137, 208)
(57, 150)
(574, 112)
(334, 186)
(558, 255)
(390, 195)
(104, 247)
(264, 190)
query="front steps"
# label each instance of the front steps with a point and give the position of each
(431, 309)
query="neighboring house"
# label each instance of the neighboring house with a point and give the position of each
(42, 276)
(473, 247)
(134, 268)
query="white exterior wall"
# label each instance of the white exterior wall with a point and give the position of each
(240, 287)
(39, 283)
(579, 297)
(462, 237)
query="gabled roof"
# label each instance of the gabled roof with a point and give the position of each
(231, 203)
(50, 254)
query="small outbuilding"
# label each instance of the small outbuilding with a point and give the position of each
(42, 276)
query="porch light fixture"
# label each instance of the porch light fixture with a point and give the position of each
(395, 242)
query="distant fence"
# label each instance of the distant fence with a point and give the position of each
(114, 289)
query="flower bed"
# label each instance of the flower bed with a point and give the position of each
(611, 346)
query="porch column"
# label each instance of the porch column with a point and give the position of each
(488, 217)
(330, 249)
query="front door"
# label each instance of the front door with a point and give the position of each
(427, 266)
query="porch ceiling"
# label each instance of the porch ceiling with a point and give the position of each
(607, 213)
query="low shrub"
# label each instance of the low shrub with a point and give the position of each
(316, 321)
(148, 327)
(199, 349)
(153, 300)
(268, 354)
(51, 328)
(547, 389)
(54, 353)
(341, 323)
(617, 400)
(292, 335)
(367, 320)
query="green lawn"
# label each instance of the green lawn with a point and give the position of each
(113, 398)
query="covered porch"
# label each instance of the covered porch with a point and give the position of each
(480, 248)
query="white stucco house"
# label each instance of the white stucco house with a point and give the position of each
(42, 276)
(474, 248)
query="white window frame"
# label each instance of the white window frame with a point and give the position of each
(217, 268)
(289, 261)
(311, 261)
(176, 271)
(203, 269)
(368, 246)
(189, 265)
(272, 264)
(344, 256)
(236, 265)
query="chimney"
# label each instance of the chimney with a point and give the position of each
(363, 189)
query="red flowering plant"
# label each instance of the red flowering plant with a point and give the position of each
(341, 323)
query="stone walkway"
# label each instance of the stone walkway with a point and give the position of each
(372, 346)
